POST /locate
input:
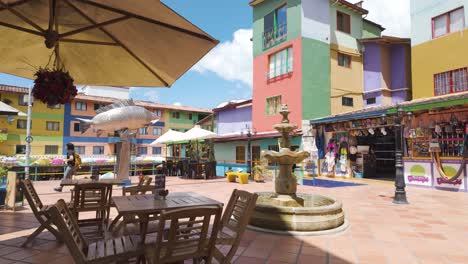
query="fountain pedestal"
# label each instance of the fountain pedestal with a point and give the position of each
(284, 210)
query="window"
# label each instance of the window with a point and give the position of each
(176, 115)
(190, 116)
(157, 131)
(57, 106)
(98, 150)
(23, 99)
(52, 126)
(255, 153)
(21, 123)
(97, 106)
(80, 106)
(156, 150)
(452, 21)
(157, 112)
(273, 105)
(143, 131)
(273, 147)
(347, 101)
(51, 149)
(80, 150)
(142, 150)
(343, 22)
(344, 60)
(240, 154)
(76, 127)
(371, 100)
(451, 82)
(20, 149)
(275, 27)
(281, 62)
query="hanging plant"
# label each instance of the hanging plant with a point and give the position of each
(54, 86)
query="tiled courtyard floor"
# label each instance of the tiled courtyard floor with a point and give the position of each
(433, 228)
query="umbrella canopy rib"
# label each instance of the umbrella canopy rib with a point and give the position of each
(98, 25)
(118, 42)
(21, 16)
(195, 34)
(27, 30)
(14, 4)
(90, 42)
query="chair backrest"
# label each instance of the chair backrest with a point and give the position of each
(31, 195)
(237, 214)
(91, 194)
(134, 190)
(189, 235)
(68, 227)
(146, 180)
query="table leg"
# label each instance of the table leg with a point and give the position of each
(144, 219)
(116, 219)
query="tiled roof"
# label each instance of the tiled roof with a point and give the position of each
(101, 99)
(13, 89)
(351, 6)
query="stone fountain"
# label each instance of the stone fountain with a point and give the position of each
(284, 211)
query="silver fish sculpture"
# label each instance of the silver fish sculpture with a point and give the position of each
(121, 116)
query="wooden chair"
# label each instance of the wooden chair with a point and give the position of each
(235, 219)
(39, 210)
(102, 251)
(91, 197)
(187, 235)
(145, 181)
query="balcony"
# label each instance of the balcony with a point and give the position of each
(274, 36)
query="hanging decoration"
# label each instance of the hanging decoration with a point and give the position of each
(54, 85)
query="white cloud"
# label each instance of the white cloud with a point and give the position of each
(393, 15)
(230, 60)
(151, 95)
(177, 103)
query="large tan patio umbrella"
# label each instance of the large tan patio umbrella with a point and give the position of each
(101, 42)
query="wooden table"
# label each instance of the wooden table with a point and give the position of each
(68, 182)
(145, 205)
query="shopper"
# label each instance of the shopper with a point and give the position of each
(70, 165)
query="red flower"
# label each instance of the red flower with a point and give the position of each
(53, 87)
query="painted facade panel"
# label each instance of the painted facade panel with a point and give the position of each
(422, 12)
(315, 79)
(293, 21)
(288, 86)
(372, 67)
(398, 67)
(234, 120)
(370, 30)
(386, 68)
(346, 82)
(425, 55)
(341, 38)
(315, 18)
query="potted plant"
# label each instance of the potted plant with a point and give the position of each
(259, 171)
(53, 86)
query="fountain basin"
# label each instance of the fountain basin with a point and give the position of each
(300, 212)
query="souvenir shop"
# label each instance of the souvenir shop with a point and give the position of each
(359, 144)
(436, 138)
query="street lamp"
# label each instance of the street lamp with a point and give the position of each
(400, 193)
(249, 148)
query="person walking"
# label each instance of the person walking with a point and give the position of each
(70, 165)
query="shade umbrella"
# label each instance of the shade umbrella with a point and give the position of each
(168, 137)
(9, 110)
(100, 42)
(198, 133)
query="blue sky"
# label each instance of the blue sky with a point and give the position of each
(226, 72)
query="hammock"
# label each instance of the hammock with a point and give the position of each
(460, 170)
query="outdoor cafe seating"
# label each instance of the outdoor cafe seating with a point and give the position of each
(188, 225)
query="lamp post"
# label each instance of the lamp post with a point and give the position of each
(400, 193)
(249, 151)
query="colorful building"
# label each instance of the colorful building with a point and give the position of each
(46, 125)
(53, 127)
(438, 44)
(387, 70)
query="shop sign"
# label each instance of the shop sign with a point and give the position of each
(450, 170)
(418, 173)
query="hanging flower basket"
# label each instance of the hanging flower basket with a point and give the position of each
(53, 87)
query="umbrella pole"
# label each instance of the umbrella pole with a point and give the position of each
(28, 136)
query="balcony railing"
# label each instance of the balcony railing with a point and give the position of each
(273, 36)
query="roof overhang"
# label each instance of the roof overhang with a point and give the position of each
(350, 6)
(387, 40)
(255, 2)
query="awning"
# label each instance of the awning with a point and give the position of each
(9, 110)
(361, 114)
(432, 102)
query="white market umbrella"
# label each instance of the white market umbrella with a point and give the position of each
(9, 110)
(198, 133)
(168, 137)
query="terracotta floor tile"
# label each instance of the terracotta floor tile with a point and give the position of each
(249, 260)
(21, 254)
(283, 256)
(309, 259)
(313, 251)
(262, 253)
